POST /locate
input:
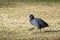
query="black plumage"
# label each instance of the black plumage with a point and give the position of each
(37, 22)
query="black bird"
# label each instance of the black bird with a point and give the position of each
(37, 22)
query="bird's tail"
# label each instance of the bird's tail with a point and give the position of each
(45, 24)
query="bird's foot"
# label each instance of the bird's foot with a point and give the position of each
(31, 28)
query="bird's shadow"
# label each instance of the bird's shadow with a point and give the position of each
(53, 31)
(48, 31)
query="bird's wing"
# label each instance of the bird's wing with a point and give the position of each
(41, 22)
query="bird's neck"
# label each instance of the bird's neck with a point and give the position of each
(31, 18)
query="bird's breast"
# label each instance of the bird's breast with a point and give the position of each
(34, 23)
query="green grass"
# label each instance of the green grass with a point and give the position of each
(14, 2)
(40, 0)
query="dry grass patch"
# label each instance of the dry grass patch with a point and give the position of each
(14, 22)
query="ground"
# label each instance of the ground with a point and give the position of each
(14, 21)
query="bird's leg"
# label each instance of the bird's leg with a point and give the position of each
(40, 30)
(31, 28)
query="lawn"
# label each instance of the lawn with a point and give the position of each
(14, 21)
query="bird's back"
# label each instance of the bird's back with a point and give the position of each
(38, 23)
(41, 22)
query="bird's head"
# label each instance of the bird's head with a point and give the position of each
(31, 16)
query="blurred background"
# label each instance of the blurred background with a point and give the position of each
(14, 19)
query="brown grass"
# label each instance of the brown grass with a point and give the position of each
(14, 22)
